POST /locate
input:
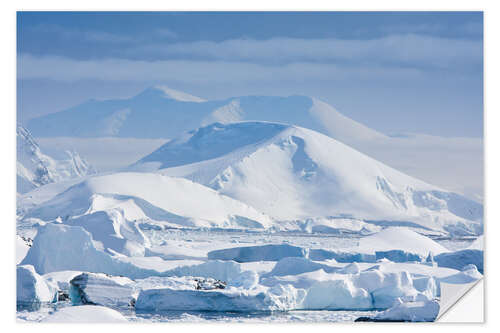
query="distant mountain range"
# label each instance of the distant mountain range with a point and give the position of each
(160, 112)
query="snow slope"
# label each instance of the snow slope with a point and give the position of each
(108, 203)
(292, 173)
(179, 95)
(35, 168)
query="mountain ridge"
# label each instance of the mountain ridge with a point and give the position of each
(34, 168)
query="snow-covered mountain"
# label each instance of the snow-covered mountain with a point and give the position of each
(293, 173)
(35, 168)
(161, 112)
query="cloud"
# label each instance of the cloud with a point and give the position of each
(409, 49)
(197, 71)
(167, 33)
(472, 28)
(60, 32)
(414, 49)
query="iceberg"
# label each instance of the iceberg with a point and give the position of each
(101, 289)
(423, 311)
(21, 249)
(58, 247)
(113, 231)
(32, 289)
(279, 298)
(338, 294)
(271, 252)
(297, 265)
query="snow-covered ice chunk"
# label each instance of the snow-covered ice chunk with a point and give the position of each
(279, 298)
(381, 288)
(113, 231)
(478, 244)
(339, 294)
(341, 256)
(155, 300)
(396, 285)
(21, 249)
(217, 269)
(101, 289)
(297, 265)
(271, 252)
(398, 256)
(59, 247)
(460, 259)
(468, 274)
(426, 285)
(32, 289)
(423, 311)
(61, 279)
(370, 280)
(245, 280)
(398, 238)
(351, 269)
(85, 314)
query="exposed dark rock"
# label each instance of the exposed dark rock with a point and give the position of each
(63, 296)
(369, 319)
(209, 284)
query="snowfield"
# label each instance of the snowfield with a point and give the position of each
(247, 217)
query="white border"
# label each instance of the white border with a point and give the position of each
(492, 109)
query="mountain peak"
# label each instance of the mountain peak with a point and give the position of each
(166, 92)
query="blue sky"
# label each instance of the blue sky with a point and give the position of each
(395, 72)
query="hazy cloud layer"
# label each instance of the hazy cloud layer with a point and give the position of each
(65, 69)
(410, 49)
(253, 60)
